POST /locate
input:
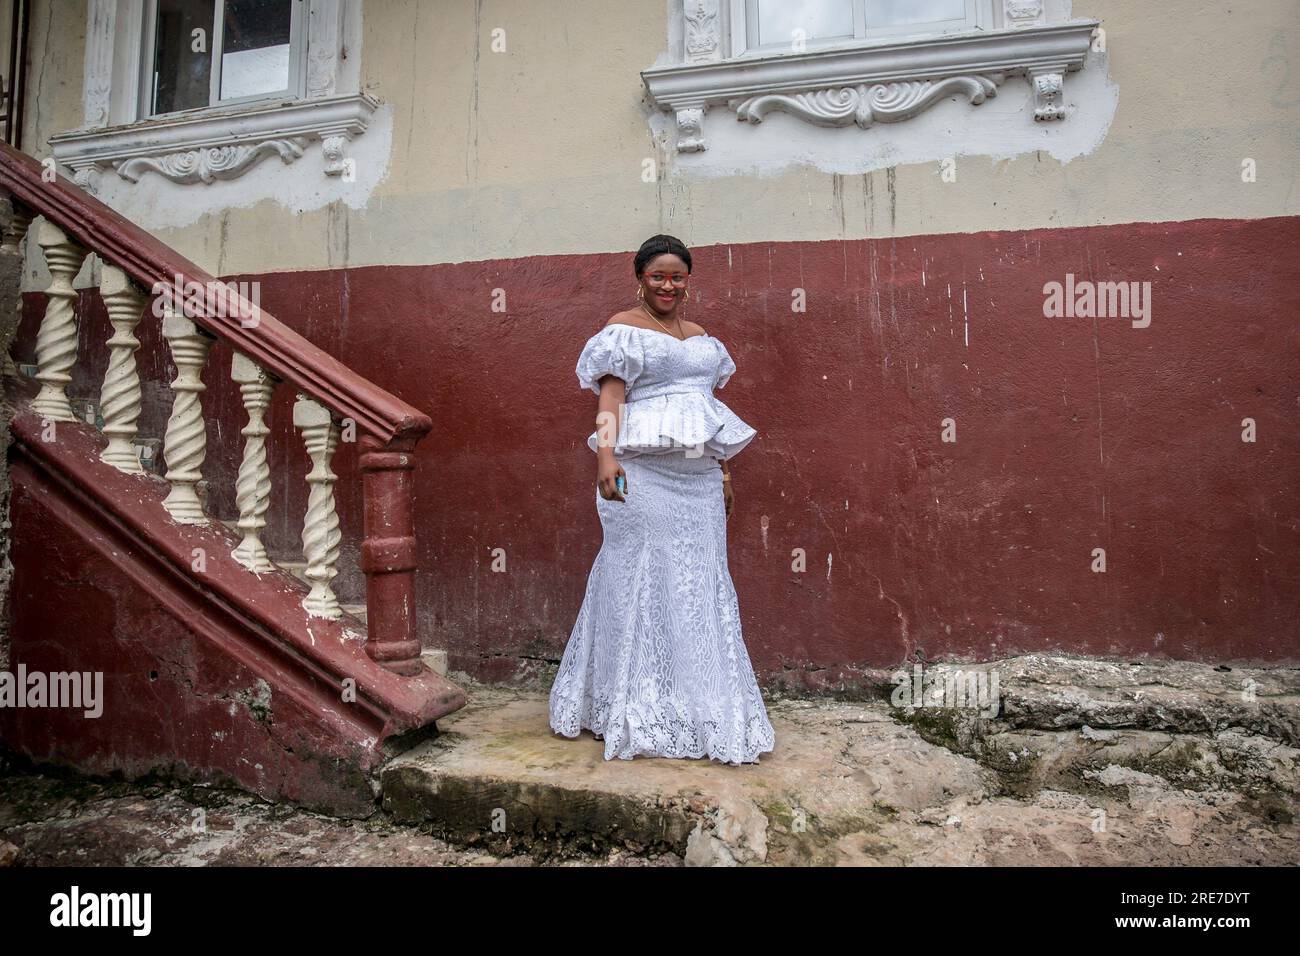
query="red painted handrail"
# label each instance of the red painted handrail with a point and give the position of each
(272, 345)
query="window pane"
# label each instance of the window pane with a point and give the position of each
(819, 19)
(255, 47)
(896, 13)
(181, 73)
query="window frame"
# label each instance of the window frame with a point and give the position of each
(744, 29)
(205, 144)
(886, 79)
(296, 88)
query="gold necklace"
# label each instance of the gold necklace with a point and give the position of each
(662, 326)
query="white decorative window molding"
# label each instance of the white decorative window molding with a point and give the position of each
(324, 103)
(223, 144)
(861, 81)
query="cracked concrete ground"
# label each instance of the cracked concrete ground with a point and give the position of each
(1086, 763)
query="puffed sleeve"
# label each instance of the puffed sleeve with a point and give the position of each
(726, 367)
(614, 350)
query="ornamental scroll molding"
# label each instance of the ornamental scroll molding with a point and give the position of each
(864, 104)
(872, 82)
(212, 162)
(217, 146)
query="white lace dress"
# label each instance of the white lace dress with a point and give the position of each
(655, 664)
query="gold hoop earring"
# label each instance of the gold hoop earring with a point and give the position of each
(686, 295)
(640, 293)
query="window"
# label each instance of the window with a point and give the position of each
(202, 90)
(774, 25)
(201, 53)
(859, 62)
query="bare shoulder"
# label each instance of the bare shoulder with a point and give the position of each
(693, 328)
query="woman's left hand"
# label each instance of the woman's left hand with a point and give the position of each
(728, 497)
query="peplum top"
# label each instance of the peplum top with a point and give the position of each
(670, 382)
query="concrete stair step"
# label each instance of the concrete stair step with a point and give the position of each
(497, 775)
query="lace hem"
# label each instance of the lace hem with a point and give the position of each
(665, 729)
(679, 420)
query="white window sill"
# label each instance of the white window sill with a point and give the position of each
(873, 81)
(200, 146)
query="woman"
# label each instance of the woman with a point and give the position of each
(655, 664)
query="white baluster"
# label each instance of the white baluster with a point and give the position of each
(56, 343)
(186, 440)
(253, 487)
(119, 400)
(320, 532)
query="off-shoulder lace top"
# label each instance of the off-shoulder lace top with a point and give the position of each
(670, 382)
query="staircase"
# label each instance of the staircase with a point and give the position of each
(217, 663)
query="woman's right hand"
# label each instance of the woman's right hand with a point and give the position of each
(607, 471)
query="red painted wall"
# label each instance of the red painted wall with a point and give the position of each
(1072, 434)
(172, 701)
(205, 672)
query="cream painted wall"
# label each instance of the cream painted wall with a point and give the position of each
(55, 49)
(539, 150)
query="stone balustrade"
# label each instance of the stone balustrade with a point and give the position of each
(389, 548)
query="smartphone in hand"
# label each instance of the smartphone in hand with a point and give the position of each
(621, 484)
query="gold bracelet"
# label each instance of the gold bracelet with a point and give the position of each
(726, 477)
